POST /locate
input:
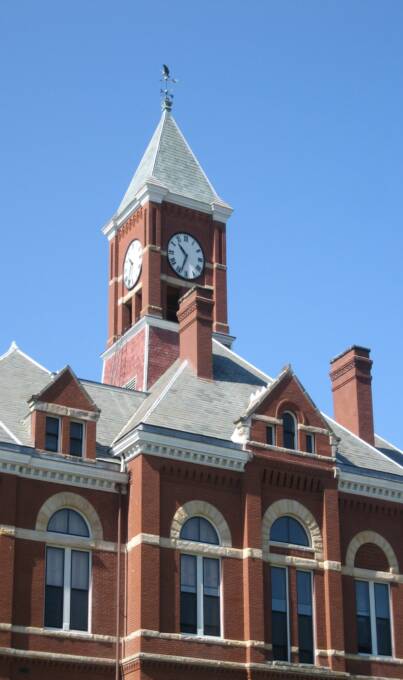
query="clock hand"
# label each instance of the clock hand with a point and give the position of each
(184, 261)
(182, 249)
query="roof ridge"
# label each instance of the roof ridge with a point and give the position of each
(396, 448)
(14, 348)
(11, 434)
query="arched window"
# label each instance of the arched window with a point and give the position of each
(200, 582)
(67, 574)
(68, 521)
(289, 431)
(288, 530)
(199, 529)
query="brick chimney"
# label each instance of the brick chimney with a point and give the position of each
(352, 394)
(195, 316)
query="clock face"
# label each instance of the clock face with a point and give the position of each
(132, 264)
(185, 256)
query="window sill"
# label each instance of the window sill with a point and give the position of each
(58, 632)
(292, 546)
(360, 656)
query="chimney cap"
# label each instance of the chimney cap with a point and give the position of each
(358, 350)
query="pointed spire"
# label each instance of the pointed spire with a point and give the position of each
(170, 166)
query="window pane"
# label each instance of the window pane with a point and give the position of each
(364, 641)
(382, 613)
(188, 622)
(279, 613)
(79, 609)
(54, 587)
(79, 569)
(211, 607)
(54, 567)
(297, 533)
(188, 573)
(305, 623)
(52, 434)
(279, 530)
(190, 530)
(59, 522)
(77, 525)
(207, 532)
(211, 576)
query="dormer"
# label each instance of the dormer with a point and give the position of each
(64, 417)
(282, 418)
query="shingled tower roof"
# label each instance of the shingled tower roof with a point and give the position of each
(170, 163)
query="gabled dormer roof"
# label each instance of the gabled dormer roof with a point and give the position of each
(65, 389)
(169, 163)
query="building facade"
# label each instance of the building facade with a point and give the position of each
(190, 515)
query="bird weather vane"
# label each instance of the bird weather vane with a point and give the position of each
(168, 95)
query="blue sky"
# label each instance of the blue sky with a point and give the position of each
(294, 108)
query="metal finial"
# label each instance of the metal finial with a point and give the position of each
(167, 94)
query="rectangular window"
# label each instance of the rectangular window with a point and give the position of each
(310, 443)
(52, 427)
(373, 618)
(76, 438)
(305, 618)
(279, 614)
(67, 588)
(200, 595)
(270, 439)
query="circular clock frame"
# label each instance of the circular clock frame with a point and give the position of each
(178, 246)
(136, 250)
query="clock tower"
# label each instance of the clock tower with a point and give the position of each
(167, 236)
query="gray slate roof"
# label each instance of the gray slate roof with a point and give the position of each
(179, 401)
(169, 162)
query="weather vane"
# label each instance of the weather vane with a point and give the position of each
(168, 95)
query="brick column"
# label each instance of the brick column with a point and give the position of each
(333, 578)
(253, 591)
(8, 491)
(143, 561)
(151, 275)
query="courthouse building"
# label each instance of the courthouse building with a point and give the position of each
(190, 516)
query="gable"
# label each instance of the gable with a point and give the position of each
(65, 390)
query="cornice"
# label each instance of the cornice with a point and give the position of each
(45, 468)
(364, 485)
(187, 450)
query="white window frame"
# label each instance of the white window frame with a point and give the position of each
(311, 434)
(59, 436)
(372, 619)
(84, 449)
(287, 603)
(200, 593)
(67, 588)
(272, 427)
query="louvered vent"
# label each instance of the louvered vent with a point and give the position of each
(131, 385)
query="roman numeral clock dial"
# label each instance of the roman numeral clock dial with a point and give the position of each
(185, 256)
(132, 264)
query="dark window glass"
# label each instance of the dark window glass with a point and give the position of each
(288, 431)
(305, 621)
(211, 596)
(54, 587)
(382, 614)
(310, 443)
(68, 521)
(279, 613)
(288, 530)
(363, 617)
(79, 590)
(52, 434)
(199, 529)
(270, 435)
(76, 439)
(188, 607)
